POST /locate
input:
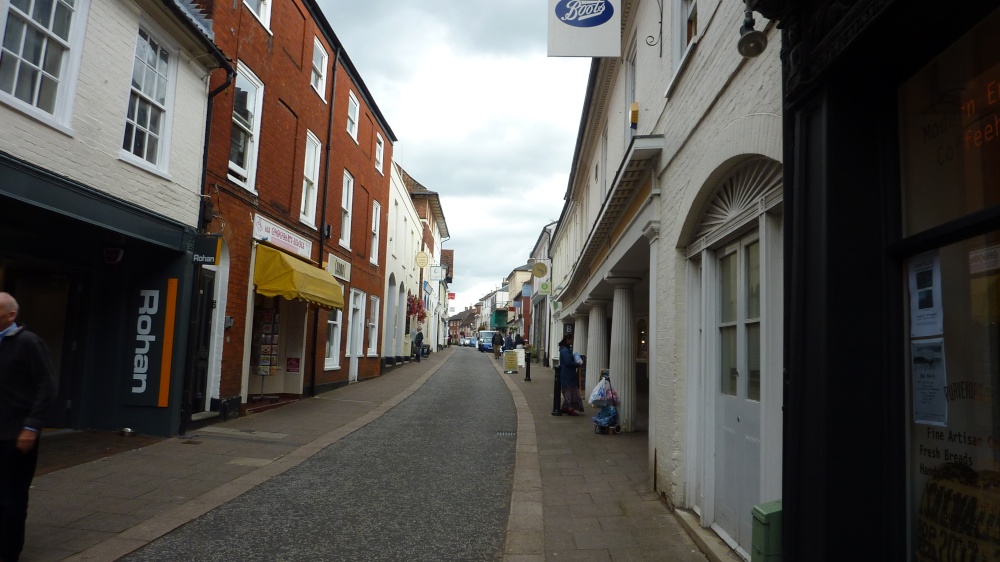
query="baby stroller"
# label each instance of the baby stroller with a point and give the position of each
(605, 398)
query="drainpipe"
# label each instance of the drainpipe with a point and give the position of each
(203, 210)
(322, 215)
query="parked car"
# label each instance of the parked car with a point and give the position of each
(486, 340)
(471, 342)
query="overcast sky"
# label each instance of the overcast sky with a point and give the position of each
(482, 116)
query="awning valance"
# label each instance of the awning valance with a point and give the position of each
(277, 274)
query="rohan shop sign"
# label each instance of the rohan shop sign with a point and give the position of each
(153, 313)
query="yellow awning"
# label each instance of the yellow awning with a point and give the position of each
(278, 274)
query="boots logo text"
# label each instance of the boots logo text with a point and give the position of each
(584, 13)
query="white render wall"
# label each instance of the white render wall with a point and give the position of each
(91, 154)
(721, 108)
(398, 264)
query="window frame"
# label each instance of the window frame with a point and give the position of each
(374, 315)
(353, 115)
(331, 361)
(379, 153)
(163, 157)
(376, 230)
(346, 207)
(69, 70)
(357, 296)
(264, 16)
(307, 208)
(250, 172)
(319, 84)
(684, 40)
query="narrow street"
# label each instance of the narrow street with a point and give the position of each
(428, 480)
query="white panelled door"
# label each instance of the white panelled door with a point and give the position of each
(737, 408)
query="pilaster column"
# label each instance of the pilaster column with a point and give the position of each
(623, 350)
(580, 333)
(597, 342)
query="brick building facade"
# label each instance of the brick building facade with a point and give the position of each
(297, 165)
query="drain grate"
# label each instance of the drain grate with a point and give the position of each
(507, 433)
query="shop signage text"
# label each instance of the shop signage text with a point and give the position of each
(281, 237)
(152, 353)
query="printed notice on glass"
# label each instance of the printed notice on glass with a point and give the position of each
(930, 404)
(926, 317)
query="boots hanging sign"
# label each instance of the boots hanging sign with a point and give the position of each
(584, 28)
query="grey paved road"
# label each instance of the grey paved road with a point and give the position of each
(429, 480)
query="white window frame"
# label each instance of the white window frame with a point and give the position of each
(353, 114)
(357, 300)
(346, 204)
(393, 240)
(162, 164)
(334, 331)
(69, 67)
(379, 153)
(683, 44)
(318, 76)
(310, 179)
(376, 230)
(374, 315)
(237, 172)
(264, 15)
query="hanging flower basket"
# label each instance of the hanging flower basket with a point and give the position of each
(415, 307)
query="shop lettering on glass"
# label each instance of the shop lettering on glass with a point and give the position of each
(980, 110)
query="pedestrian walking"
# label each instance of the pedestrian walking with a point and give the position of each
(569, 382)
(27, 388)
(518, 341)
(418, 340)
(508, 343)
(497, 344)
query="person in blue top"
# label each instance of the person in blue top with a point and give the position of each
(569, 381)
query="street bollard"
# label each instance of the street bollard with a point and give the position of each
(527, 366)
(556, 398)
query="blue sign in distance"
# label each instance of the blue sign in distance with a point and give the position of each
(584, 13)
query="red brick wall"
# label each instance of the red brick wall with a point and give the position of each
(282, 61)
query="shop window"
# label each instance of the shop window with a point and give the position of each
(949, 136)
(266, 338)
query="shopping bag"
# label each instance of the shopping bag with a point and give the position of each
(599, 396)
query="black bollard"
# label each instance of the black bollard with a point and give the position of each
(527, 366)
(556, 398)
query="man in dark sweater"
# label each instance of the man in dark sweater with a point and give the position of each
(27, 388)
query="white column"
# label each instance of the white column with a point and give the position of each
(580, 333)
(400, 321)
(597, 342)
(652, 233)
(623, 350)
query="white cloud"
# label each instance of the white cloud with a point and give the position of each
(482, 117)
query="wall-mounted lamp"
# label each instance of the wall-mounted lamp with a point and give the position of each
(327, 230)
(752, 42)
(229, 322)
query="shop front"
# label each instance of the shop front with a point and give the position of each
(285, 286)
(892, 351)
(106, 284)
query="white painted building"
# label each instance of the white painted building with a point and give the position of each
(103, 108)
(402, 276)
(667, 259)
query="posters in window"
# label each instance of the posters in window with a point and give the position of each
(926, 317)
(930, 403)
